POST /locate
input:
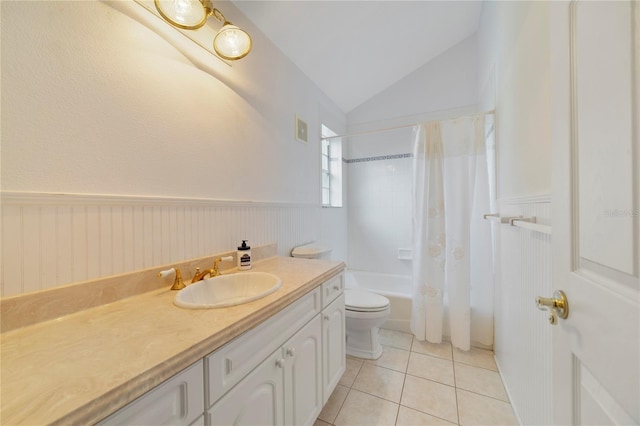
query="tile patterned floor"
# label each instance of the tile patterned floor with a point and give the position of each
(417, 383)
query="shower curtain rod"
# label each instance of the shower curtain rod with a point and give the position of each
(346, 135)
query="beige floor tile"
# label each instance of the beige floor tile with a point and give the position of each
(411, 417)
(480, 380)
(441, 350)
(334, 403)
(432, 368)
(367, 410)
(380, 382)
(319, 422)
(482, 410)
(351, 371)
(393, 358)
(430, 397)
(477, 357)
(396, 339)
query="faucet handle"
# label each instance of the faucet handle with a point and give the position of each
(177, 282)
(166, 272)
(216, 272)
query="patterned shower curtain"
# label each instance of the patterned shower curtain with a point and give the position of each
(451, 245)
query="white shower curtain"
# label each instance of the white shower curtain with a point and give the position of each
(452, 247)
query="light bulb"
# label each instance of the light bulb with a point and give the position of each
(232, 42)
(182, 8)
(185, 14)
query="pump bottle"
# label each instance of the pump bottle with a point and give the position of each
(244, 256)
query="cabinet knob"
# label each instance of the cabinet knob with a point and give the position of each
(291, 352)
(336, 287)
(280, 363)
(327, 317)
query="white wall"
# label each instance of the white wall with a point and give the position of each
(445, 84)
(98, 98)
(518, 36)
(380, 188)
(514, 77)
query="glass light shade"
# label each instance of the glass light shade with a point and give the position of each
(232, 42)
(185, 14)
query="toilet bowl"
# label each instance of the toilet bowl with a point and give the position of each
(365, 312)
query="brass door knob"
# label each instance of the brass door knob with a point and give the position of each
(558, 306)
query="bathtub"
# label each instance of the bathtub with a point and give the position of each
(396, 288)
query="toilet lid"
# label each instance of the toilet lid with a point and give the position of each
(364, 301)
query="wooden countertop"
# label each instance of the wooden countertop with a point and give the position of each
(79, 368)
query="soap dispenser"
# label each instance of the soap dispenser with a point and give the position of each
(244, 256)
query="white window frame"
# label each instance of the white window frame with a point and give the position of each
(331, 169)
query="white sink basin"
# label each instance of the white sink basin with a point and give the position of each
(227, 290)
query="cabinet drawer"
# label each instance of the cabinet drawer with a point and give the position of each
(332, 289)
(178, 401)
(228, 365)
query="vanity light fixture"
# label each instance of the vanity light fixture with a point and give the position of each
(230, 42)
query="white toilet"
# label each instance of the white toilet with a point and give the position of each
(365, 311)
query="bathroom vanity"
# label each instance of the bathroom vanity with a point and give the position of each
(143, 360)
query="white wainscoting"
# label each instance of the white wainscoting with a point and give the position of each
(522, 333)
(50, 240)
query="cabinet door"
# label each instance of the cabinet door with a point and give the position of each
(177, 401)
(229, 364)
(256, 400)
(303, 375)
(333, 343)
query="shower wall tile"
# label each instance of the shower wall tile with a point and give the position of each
(53, 240)
(379, 219)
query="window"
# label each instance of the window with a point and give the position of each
(331, 179)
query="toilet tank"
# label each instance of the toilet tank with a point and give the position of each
(312, 251)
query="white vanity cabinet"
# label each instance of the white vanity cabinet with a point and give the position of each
(280, 372)
(333, 345)
(271, 374)
(177, 401)
(303, 375)
(286, 388)
(333, 334)
(283, 371)
(256, 400)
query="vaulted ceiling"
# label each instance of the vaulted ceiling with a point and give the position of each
(355, 49)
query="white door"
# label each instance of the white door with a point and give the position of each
(595, 63)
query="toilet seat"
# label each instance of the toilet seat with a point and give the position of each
(364, 301)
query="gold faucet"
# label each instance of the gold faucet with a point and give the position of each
(211, 272)
(200, 275)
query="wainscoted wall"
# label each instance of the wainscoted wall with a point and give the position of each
(522, 333)
(50, 240)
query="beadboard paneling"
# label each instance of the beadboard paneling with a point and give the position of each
(522, 333)
(51, 240)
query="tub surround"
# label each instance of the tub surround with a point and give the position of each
(79, 368)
